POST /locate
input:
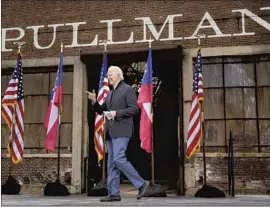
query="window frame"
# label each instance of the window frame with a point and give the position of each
(238, 59)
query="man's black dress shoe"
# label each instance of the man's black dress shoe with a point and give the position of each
(110, 199)
(143, 189)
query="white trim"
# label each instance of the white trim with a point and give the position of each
(40, 62)
(232, 50)
(236, 154)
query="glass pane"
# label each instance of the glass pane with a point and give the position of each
(263, 73)
(265, 132)
(37, 108)
(264, 102)
(214, 133)
(37, 83)
(4, 83)
(249, 103)
(67, 108)
(250, 132)
(52, 80)
(234, 103)
(236, 127)
(68, 82)
(213, 100)
(265, 148)
(34, 135)
(66, 135)
(244, 134)
(212, 75)
(239, 74)
(240, 103)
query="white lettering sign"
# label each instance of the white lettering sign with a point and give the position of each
(35, 28)
(5, 39)
(212, 24)
(110, 33)
(148, 23)
(75, 27)
(149, 29)
(254, 17)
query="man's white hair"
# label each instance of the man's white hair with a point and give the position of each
(117, 70)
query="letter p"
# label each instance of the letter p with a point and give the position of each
(5, 39)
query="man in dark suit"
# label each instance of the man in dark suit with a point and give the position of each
(119, 107)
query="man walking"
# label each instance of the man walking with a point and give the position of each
(119, 108)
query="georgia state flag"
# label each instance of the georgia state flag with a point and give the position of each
(51, 119)
(145, 100)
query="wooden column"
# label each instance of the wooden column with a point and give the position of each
(85, 147)
(77, 124)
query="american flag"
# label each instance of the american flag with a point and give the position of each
(103, 90)
(194, 127)
(13, 112)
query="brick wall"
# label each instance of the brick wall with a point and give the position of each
(32, 13)
(251, 173)
(37, 171)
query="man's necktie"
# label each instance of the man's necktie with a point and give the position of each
(111, 95)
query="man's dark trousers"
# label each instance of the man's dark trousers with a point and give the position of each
(117, 161)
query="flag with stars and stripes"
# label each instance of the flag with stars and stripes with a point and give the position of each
(13, 112)
(145, 101)
(194, 126)
(52, 119)
(103, 90)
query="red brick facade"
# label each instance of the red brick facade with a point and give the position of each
(36, 171)
(18, 15)
(251, 173)
(32, 13)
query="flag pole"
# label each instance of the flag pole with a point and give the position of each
(202, 129)
(56, 188)
(8, 183)
(100, 189)
(104, 133)
(152, 117)
(59, 134)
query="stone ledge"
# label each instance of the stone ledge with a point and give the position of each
(236, 154)
(240, 191)
(40, 62)
(52, 155)
(39, 189)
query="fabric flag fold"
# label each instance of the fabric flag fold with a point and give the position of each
(194, 126)
(103, 90)
(145, 101)
(13, 112)
(54, 107)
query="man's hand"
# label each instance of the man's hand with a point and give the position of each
(113, 113)
(92, 96)
(110, 114)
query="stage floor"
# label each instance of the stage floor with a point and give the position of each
(129, 199)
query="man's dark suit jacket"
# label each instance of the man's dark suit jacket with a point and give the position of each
(124, 102)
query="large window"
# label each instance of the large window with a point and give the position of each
(237, 98)
(38, 84)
